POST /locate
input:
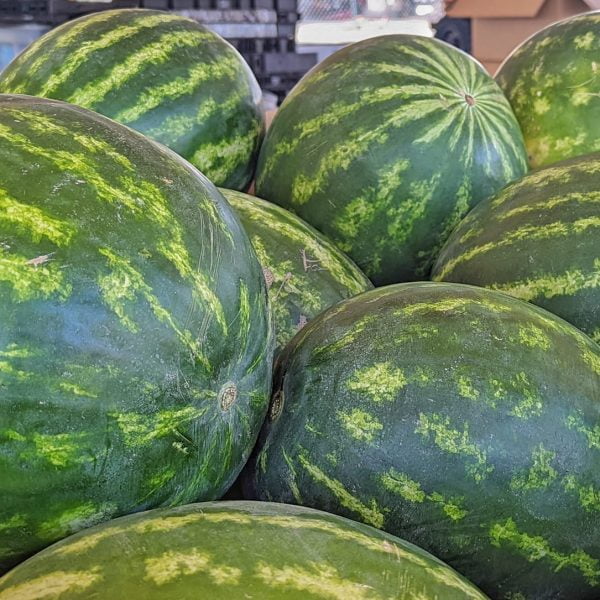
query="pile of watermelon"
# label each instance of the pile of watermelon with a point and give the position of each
(387, 361)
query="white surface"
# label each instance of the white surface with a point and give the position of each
(347, 32)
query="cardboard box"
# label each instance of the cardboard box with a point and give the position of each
(499, 26)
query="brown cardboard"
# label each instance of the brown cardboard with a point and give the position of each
(499, 26)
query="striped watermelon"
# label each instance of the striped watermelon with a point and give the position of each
(458, 418)
(228, 550)
(135, 350)
(537, 240)
(304, 271)
(552, 81)
(384, 147)
(162, 74)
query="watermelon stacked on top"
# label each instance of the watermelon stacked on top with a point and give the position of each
(135, 357)
(162, 74)
(536, 240)
(553, 85)
(386, 145)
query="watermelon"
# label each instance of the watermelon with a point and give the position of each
(305, 273)
(226, 550)
(536, 240)
(159, 73)
(553, 86)
(459, 418)
(385, 145)
(135, 349)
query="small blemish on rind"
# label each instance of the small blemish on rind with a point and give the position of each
(227, 395)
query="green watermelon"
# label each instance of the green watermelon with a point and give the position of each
(385, 146)
(135, 349)
(226, 550)
(536, 240)
(163, 75)
(553, 84)
(304, 271)
(461, 419)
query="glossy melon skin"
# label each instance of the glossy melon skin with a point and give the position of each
(225, 550)
(386, 145)
(551, 81)
(304, 271)
(136, 344)
(458, 418)
(160, 73)
(536, 240)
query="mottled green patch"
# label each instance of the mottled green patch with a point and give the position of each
(316, 579)
(62, 450)
(172, 565)
(223, 157)
(529, 233)
(140, 429)
(584, 41)
(535, 548)
(74, 519)
(569, 283)
(589, 496)
(439, 429)
(466, 388)
(33, 222)
(76, 390)
(54, 584)
(30, 280)
(411, 491)
(381, 382)
(152, 97)
(15, 522)
(156, 52)
(347, 339)
(532, 336)
(156, 482)
(120, 289)
(359, 424)
(540, 475)
(371, 515)
(530, 402)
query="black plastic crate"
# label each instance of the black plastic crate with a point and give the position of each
(24, 10)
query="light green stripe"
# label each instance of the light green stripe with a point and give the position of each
(454, 441)
(219, 159)
(359, 424)
(568, 283)
(527, 233)
(535, 548)
(342, 154)
(86, 51)
(30, 281)
(30, 220)
(153, 97)
(550, 203)
(121, 287)
(142, 198)
(588, 495)
(380, 382)
(592, 434)
(411, 491)
(155, 53)
(32, 60)
(368, 514)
